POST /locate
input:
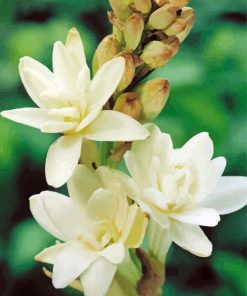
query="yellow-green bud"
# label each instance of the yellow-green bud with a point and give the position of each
(133, 31)
(129, 71)
(162, 17)
(105, 51)
(143, 6)
(129, 104)
(156, 54)
(120, 9)
(176, 27)
(153, 95)
(90, 154)
(188, 15)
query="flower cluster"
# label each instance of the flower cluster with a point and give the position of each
(168, 194)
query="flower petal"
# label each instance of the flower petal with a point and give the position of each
(82, 184)
(114, 253)
(62, 158)
(114, 126)
(35, 78)
(57, 126)
(135, 227)
(105, 82)
(198, 216)
(97, 279)
(41, 215)
(71, 263)
(230, 195)
(191, 238)
(75, 48)
(33, 117)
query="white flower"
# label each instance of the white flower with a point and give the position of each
(181, 189)
(97, 225)
(70, 104)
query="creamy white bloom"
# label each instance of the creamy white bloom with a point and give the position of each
(181, 189)
(71, 104)
(96, 224)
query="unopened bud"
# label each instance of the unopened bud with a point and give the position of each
(153, 95)
(133, 31)
(156, 54)
(143, 6)
(179, 3)
(188, 15)
(173, 43)
(120, 9)
(160, 2)
(90, 155)
(129, 71)
(176, 27)
(162, 17)
(129, 104)
(105, 51)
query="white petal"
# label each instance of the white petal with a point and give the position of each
(63, 67)
(97, 279)
(33, 117)
(115, 126)
(35, 78)
(105, 82)
(49, 255)
(40, 214)
(88, 119)
(82, 184)
(57, 126)
(155, 197)
(191, 238)
(230, 195)
(75, 48)
(200, 147)
(71, 263)
(62, 158)
(114, 253)
(198, 216)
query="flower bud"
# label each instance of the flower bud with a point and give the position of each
(162, 17)
(188, 15)
(133, 31)
(156, 54)
(143, 6)
(179, 3)
(173, 43)
(105, 51)
(176, 27)
(129, 71)
(90, 155)
(160, 2)
(153, 95)
(129, 104)
(120, 9)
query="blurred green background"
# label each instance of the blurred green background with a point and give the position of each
(208, 93)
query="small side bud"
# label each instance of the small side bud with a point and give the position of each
(133, 31)
(120, 9)
(153, 95)
(176, 27)
(173, 43)
(143, 6)
(105, 51)
(156, 53)
(162, 17)
(187, 14)
(128, 103)
(129, 71)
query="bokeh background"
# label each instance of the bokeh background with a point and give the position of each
(208, 93)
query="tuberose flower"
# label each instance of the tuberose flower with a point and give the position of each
(96, 224)
(181, 189)
(71, 104)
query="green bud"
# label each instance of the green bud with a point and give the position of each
(162, 17)
(105, 51)
(133, 31)
(129, 104)
(156, 53)
(120, 9)
(188, 15)
(129, 71)
(153, 95)
(143, 6)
